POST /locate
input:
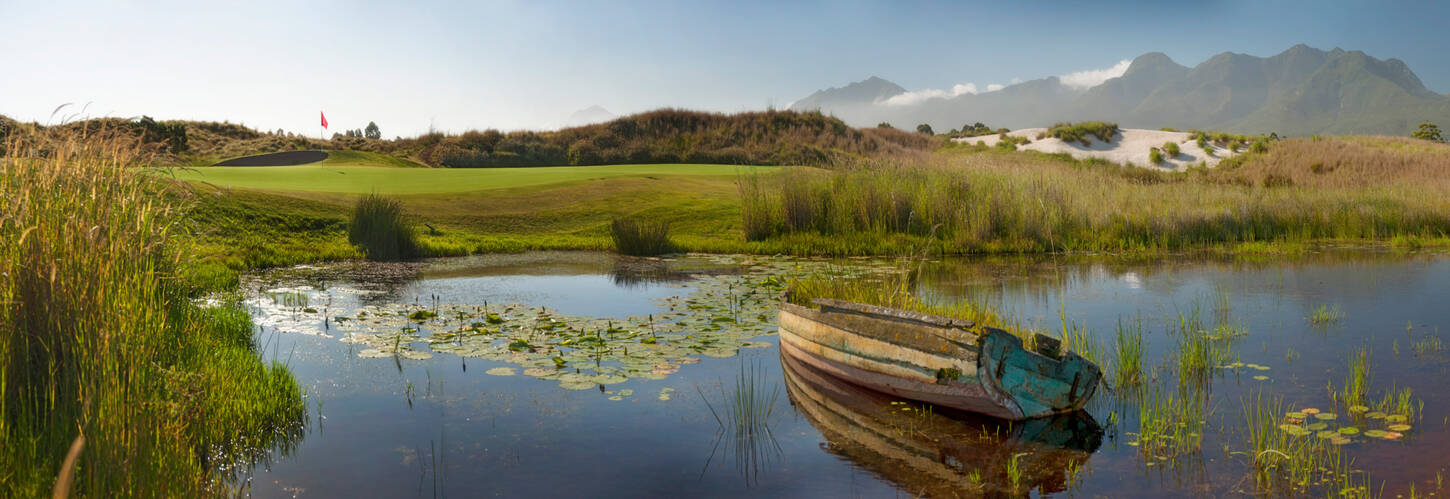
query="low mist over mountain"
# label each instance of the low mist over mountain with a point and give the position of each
(1301, 91)
(589, 116)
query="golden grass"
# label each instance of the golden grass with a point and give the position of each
(99, 335)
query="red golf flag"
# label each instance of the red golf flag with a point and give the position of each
(324, 119)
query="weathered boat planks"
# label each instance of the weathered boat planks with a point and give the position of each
(943, 361)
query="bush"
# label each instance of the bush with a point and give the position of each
(1069, 132)
(1428, 131)
(1155, 156)
(924, 129)
(1172, 149)
(379, 229)
(638, 237)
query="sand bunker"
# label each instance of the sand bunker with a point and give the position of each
(288, 158)
(1130, 146)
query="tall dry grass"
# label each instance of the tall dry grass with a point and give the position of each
(992, 201)
(100, 337)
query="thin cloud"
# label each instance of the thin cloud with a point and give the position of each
(1094, 77)
(919, 96)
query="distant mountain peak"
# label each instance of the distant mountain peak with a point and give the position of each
(1300, 91)
(860, 93)
(590, 115)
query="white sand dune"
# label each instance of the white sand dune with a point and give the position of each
(1129, 147)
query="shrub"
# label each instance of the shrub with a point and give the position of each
(924, 129)
(1155, 157)
(1428, 131)
(379, 229)
(1260, 146)
(1172, 149)
(1203, 144)
(639, 237)
(1069, 132)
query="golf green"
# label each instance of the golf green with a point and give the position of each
(384, 180)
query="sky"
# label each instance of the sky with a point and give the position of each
(453, 66)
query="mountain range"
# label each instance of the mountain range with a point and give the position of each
(1300, 91)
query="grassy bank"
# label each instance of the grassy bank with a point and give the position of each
(106, 355)
(1301, 192)
(989, 201)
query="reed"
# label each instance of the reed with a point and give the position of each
(1356, 384)
(992, 202)
(101, 337)
(640, 237)
(1325, 315)
(379, 228)
(1129, 354)
(1283, 456)
(744, 418)
(1170, 425)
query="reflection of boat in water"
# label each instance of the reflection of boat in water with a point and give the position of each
(938, 455)
(943, 361)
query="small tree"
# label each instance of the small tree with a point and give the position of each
(1428, 131)
(924, 128)
(884, 125)
(372, 131)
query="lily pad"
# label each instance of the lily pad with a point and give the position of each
(1338, 440)
(1375, 415)
(1358, 409)
(1318, 426)
(1309, 410)
(1295, 415)
(1297, 431)
(1326, 416)
(500, 371)
(1375, 433)
(1261, 378)
(1399, 427)
(1327, 434)
(1395, 418)
(1349, 430)
(1394, 435)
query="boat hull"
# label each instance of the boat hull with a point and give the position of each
(935, 360)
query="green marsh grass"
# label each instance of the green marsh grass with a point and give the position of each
(1283, 456)
(380, 228)
(994, 202)
(100, 338)
(1128, 352)
(744, 413)
(1325, 315)
(1170, 425)
(640, 237)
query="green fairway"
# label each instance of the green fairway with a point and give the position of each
(338, 178)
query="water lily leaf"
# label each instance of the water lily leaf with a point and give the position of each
(1327, 434)
(616, 398)
(1399, 427)
(1394, 435)
(1375, 433)
(1295, 415)
(1375, 415)
(1318, 426)
(1395, 418)
(626, 392)
(1349, 430)
(576, 384)
(1309, 410)
(1327, 416)
(1261, 378)
(1357, 409)
(500, 371)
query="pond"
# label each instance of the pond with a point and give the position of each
(596, 375)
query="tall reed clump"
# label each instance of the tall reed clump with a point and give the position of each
(1129, 360)
(379, 227)
(1285, 456)
(103, 346)
(996, 202)
(640, 237)
(744, 417)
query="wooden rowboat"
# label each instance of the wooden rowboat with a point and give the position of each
(943, 361)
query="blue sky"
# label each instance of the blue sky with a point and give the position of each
(529, 64)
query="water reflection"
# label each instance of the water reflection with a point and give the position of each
(930, 453)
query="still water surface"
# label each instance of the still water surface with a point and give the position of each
(436, 424)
